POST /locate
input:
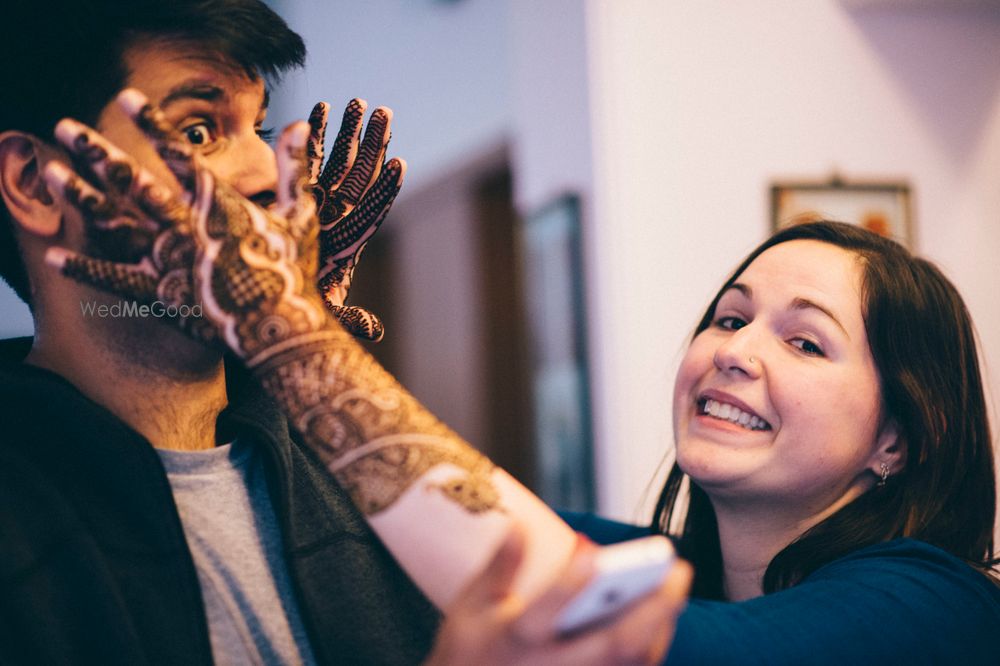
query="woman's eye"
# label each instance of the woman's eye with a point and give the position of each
(808, 347)
(730, 323)
(199, 134)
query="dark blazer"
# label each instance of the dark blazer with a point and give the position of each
(94, 567)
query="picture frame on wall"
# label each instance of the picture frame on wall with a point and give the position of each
(882, 207)
(552, 269)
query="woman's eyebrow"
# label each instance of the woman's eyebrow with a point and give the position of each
(798, 303)
(806, 304)
(743, 289)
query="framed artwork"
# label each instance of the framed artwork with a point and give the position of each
(882, 207)
(554, 299)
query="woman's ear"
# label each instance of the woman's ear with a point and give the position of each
(25, 193)
(890, 449)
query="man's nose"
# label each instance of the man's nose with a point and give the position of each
(251, 169)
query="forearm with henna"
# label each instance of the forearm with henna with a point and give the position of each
(372, 433)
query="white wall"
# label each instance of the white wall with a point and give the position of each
(441, 66)
(697, 106)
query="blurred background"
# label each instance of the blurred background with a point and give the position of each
(584, 173)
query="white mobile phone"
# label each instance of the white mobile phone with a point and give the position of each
(625, 572)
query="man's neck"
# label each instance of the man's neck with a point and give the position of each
(170, 390)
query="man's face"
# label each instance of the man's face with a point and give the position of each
(220, 110)
(215, 105)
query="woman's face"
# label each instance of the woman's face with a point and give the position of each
(778, 400)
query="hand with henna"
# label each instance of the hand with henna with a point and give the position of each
(440, 507)
(353, 194)
(249, 272)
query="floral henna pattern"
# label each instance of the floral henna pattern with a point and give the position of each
(254, 272)
(360, 322)
(375, 438)
(212, 248)
(353, 193)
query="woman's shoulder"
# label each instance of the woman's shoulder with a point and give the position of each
(903, 601)
(899, 599)
(916, 562)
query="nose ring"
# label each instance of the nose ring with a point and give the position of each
(752, 360)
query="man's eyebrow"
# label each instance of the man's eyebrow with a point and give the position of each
(797, 304)
(192, 90)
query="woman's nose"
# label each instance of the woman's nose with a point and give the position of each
(739, 353)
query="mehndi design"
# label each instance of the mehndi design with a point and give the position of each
(353, 194)
(254, 272)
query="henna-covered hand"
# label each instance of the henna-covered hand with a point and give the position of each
(236, 273)
(353, 194)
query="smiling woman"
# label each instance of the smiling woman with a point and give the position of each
(832, 430)
(812, 388)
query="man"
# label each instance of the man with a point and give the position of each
(245, 550)
(93, 556)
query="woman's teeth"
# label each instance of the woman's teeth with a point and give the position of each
(733, 414)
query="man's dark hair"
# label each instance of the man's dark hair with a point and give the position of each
(65, 58)
(924, 347)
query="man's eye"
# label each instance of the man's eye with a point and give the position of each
(730, 323)
(199, 134)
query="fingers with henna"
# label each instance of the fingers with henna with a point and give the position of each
(371, 153)
(293, 175)
(115, 171)
(78, 192)
(345, 146)
(359, 322)
(317, 135)
(342, 241)
(171, 146)
(134, 281)
(112, 169)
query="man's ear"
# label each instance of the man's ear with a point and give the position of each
(890, 449)
(25, 192)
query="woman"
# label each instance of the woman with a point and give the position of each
(830, 418)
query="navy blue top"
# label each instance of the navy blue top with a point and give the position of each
(900, 602)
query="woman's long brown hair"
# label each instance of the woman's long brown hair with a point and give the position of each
(924, 346)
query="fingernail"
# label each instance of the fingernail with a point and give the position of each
(300, 133)
(57, 174)
(67, 130)
(56, 256)
(132, 101)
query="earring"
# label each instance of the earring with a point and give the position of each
(884, 473)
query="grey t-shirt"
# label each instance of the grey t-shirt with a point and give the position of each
(233, 536)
